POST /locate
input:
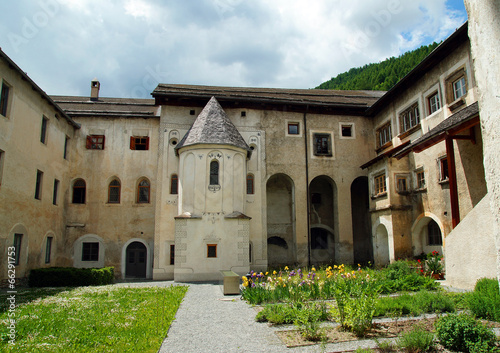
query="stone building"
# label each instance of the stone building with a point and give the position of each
(201, 179)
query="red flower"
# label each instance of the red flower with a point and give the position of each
(418, 261)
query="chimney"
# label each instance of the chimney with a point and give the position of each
(94, 89)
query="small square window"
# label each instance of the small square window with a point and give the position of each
(212, 250)
(139, 143)
(90, 251)
(293, 128)
(322, 145)
(95, 142)
(192, 112)
(243, 113)
(346, 130)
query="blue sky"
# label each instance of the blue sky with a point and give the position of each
(132, 45)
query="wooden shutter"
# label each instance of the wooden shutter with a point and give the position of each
(89, 142)
(147, 142)
(132, 142)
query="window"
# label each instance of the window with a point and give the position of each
(322, 145)
(65, 153)
(293, 128)
(174, 184)
(95, 142)
(43, 132)
(243, 114)
(211, 250)
(459, 89)
(55, 191)
(4, 99)
(214, 173)
(434, 234)
(38, 186)
(48, 250)
(139, 143)
(2, 159)
(79, 189)
(379, 185)
(409, 118)
(250, 184)
(18, 238)
(90, 251)
(143, 191)
(443, 169)
(434, 103)
(401, 183)
(319, 238)
(420, 177)
(172, 254)
(114, 191)
(384, 135)
(346, 130)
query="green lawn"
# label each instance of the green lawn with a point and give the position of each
(91, 319)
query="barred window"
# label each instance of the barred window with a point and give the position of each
(214, 173)
(114, 191)
(174, 184)
(250, 184)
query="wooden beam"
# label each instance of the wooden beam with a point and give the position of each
(452, 175)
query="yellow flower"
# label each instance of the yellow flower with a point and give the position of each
(274, 272)
(284, 285)
(262, 274)
(266, 273)
(286, 268)
(313, 269)
(244, 278)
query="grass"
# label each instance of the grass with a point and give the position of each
(93, 319)
(416, 304)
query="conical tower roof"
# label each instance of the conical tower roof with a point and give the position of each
(213, 126)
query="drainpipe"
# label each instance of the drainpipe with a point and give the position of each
(307, 192)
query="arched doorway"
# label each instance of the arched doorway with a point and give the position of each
(323, 219)
(280, 221)
(426, 235)
(361, 225)
(381, 246)
(136, 256)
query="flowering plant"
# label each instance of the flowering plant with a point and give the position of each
(433, 264)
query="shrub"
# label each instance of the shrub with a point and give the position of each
(277, 314)
(70, 276)
(416, 340)
(464, 333)
(308, 320)
(484, 302)
(421, 302)
(402, 276)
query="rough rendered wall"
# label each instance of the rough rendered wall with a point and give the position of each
(484, 34)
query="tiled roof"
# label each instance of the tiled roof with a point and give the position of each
(107, 107)
(213, 126)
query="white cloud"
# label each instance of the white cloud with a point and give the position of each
(133, 45)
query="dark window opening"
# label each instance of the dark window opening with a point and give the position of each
(43, 132)
(434, 234)
(54, 194)
(243, 114)
(174, 184)
(346, 130)
(38, 186)
(48, 250)
(172, 254)
(192, 112)
(90, 251)
(79, 189)
(319, 239)
(293, 129)
(143, 192)
(212, 250)
(250, 184)
(65, 153)
(18, 238)
(322, 145)
(139, 143)
(443, 170)
(316, 199)
(4, 99)
(214, 173)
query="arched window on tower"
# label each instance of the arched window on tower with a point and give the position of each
(250, 185)
(174, 184)
(214, 173)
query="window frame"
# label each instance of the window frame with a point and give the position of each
(140, 187)
(17, 244)
(5, 99)
(95, 142)
(420, 182)
(55, 191)
(318, 143)
(112, 187)
(38, 184)
(82, 194)
(209, 246)
(250, 184)
(444, 174)
(450, 81)
(174, 184)
(214, 172)
(409, 119)
(343, 125)
(139, 141)
(65, 150)
(384, 136)
(431, 238)
(44, 130)
(48, 249)
(436, 104)
(406, 179)
(462, 89)
(92, 254)
(291, 125)
(379, 184)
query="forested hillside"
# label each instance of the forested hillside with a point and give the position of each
(381, 76)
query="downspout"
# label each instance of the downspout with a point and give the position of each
(307, 191)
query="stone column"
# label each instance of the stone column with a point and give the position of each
(484, 34)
